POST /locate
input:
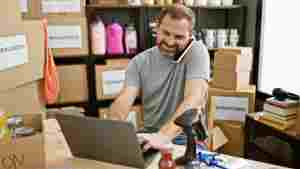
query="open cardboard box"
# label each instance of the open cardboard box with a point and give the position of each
(25, 152)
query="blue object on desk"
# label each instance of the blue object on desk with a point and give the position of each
(209, 158)
(179, 139)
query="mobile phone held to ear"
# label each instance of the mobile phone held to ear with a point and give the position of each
(178, 57)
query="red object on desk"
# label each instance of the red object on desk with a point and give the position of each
(166, 161)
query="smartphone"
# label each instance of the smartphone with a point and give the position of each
(178, 57)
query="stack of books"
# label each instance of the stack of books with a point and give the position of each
(280, 114)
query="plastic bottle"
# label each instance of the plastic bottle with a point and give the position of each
(114, 34)
(130, 39)
(166, 161)
(98, 37)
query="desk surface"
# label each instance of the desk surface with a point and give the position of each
(58, 155)
(291, 132)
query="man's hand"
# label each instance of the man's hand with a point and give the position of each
(155, 140)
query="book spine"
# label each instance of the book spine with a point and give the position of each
(274, 125)
(278, 121)
(278, 110)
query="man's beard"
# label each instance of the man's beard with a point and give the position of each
(172, 53)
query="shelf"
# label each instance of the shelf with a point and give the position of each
(59, 105)
(160, 6)
(112, 6)
(71, 60)
(114, 56)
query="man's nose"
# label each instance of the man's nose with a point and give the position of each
(170, 41)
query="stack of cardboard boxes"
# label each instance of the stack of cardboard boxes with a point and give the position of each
(231, 96)
(232, 68)
(21, 70)
(68, 37)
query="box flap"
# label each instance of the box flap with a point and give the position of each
(218, 138)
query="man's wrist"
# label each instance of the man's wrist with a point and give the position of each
(170, 131)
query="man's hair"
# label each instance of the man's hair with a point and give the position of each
(178, 12)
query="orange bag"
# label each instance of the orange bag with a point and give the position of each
(51, 80)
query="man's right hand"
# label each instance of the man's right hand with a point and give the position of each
(154, 140)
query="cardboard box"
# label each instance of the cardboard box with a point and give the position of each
(109, 2)
(34, 9)
(26, 152)
(31, 9)
(234, 131)
(68, 36)
(110, 78)
(233, 62)
(30, 67)
(62, 8)
(10, 14)
(230, 80)
(73, 83)
(26, 98)
(245, 94)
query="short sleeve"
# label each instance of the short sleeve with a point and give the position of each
(132, 76)
(199, 65)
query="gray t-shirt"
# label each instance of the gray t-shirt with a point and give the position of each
(161, 80)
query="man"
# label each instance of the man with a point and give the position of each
(167, 88)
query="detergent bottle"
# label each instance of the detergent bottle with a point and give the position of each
(131, 39)
(98, 37)
(114, 34)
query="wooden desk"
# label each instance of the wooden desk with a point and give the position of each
(255, 128)
(58, 155)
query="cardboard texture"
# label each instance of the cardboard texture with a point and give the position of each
(23, 99)
(63, 12)
(250, 93)
(33, 10)
(71, 21)
(73, 83)
(218, 139)
(103, 114)
(230, 80)
(56, 147)
(25, 152)
(233, 62)
(33, 69)
(237, 50)
(118, 64)
(10, 14)
(109, 2)
(234, 131)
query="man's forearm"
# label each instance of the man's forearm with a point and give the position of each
(121, 106)
(170, 129)
(119, 110)
(196, 97)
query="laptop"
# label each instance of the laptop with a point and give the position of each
(103, 140)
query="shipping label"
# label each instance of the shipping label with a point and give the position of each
(67, 36)
(13, 51)
(60, 6)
